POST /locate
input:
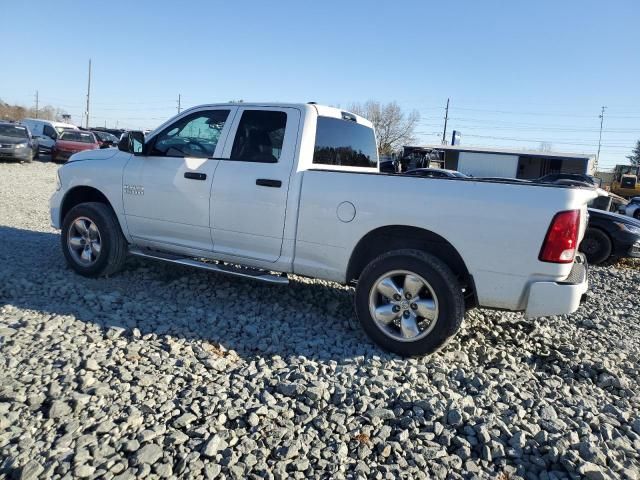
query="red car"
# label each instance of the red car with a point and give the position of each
(72, 141)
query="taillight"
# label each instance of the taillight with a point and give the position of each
(561, 242)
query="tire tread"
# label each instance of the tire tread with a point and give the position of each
(450, 280)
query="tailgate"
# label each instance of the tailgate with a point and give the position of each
(580, 198)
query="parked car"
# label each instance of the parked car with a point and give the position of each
(295, 188)
(72, 141)
(569, 178)
(632, 208)
(46, 131)
(16, 142)
(435, 173)
(388, 166)
(105, 139)
(610, 236)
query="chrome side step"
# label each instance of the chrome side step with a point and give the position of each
(254, 274)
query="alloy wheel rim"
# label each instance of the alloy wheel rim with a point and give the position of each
(403, 305)
(84, 241)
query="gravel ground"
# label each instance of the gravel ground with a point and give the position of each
(163, 372)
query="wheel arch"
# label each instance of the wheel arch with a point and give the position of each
(607, 235)
(81, 194)
(395, 237)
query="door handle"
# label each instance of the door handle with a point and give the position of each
(265, 182)
(195, 175)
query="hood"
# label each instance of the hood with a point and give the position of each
(75, 145)
(12, 140)
(102, 154)
(614, 217)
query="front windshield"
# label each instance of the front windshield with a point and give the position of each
(16, 131)
(77, 136)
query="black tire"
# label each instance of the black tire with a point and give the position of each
(596, 245)
(113, 250)
(36, 155)
(636, 214)
(444, 284)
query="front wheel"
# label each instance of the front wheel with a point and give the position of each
(596, 245)
(92, 241)
(409, 302)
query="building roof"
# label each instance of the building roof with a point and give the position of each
(507, 151)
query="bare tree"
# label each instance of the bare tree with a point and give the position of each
(18, 112)
(545, 146)
(394, 128)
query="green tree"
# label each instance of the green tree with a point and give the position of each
(634, 158)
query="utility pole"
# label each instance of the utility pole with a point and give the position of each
(178, 104)
(37, 103)
(88, 96)
(600, 138)
(446, 119)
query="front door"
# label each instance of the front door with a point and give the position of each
(166, 192)
(251, 184)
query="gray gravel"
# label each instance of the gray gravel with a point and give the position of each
(163, 371)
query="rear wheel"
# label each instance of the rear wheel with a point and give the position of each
(92, 241)
(596, 245)
(409, 302)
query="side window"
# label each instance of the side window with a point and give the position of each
(195, 135)
(259, 137)
(49, 131)
(344, 142)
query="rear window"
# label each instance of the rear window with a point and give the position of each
(345, 143)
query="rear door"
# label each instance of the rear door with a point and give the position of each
(166, 192)
(250, 187)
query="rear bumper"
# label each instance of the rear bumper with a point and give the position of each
(558, 298)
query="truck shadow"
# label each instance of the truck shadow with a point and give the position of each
(310, 318)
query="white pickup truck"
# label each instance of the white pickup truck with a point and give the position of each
(262, 190)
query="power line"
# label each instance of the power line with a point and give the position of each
(532, 140)
(524, 127)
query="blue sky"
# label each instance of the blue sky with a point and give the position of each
(518, 73)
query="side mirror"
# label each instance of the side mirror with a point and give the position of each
(132, 142)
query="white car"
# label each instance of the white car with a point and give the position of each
(46, 131)
(295, 188)
(632, 208)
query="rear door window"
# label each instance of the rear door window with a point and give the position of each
(259, 136)
(345, 143)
